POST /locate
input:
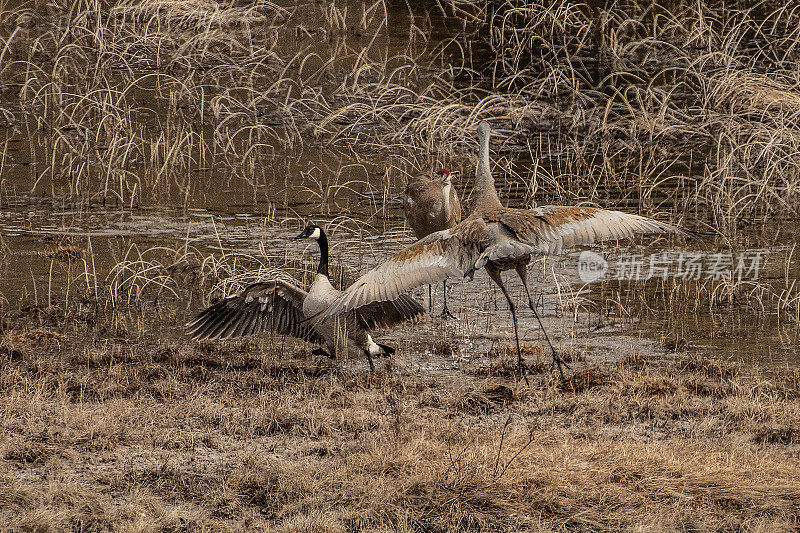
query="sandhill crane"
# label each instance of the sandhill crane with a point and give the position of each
(431, 204)
(281, 307)
(497, 238)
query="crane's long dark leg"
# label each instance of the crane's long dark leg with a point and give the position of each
(430, 298)
(371, 364)
(494, 273)
(445, 311)
(522, 271)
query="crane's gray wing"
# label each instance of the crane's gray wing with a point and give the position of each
(550, 229)
(438, 256)
(390, 313)
(271, 306)
(547, 230)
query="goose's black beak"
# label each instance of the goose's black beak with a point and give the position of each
(307, 232)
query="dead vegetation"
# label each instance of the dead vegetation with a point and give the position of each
(109, 434)
(111, 421)
(691, 104)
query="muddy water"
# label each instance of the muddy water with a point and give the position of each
(221, 213)
(572, 311)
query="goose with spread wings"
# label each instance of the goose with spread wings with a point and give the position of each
(281, 307)
(496, 238)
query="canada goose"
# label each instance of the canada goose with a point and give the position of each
(431, 204)
(282, 307)
(497, 238)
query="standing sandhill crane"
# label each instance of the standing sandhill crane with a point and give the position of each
(282, 307)
(497, 238)
(431, 204)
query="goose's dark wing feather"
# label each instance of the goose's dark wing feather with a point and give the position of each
(271, 306)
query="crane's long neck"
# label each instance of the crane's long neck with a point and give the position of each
(485, 193)
(446, 200)
(323, 254)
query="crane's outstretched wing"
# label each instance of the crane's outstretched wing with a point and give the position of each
(440, 255)
(552, 228)
(547, 230)
(501, 234)
(271, 306)
(389, 313)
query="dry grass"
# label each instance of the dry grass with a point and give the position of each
(110, 422)
(688, 110)
(108, 432)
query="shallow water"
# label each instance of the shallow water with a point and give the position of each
(568, 307)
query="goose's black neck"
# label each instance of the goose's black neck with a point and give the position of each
(323, 254)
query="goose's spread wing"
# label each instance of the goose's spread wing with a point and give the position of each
(438, 256)
(550, 229)
(388, 314)
(274, 306)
